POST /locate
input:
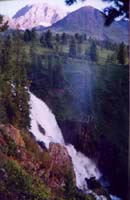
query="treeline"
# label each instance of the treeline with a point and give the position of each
(46, 74)
(14, 97)
(19, 67)
(79, 46)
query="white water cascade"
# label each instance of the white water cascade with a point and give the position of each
(42, 116)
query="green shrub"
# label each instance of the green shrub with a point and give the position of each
(21, 183)
(31, 145)
(33, 148)
(11, 147)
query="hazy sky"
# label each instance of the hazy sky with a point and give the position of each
(11, 7)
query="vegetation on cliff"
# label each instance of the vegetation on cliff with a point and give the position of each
(29, 172)
(82, 80)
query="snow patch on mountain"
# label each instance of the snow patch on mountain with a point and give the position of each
(38, 14)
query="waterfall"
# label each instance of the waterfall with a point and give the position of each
(42, 116)
(45, 128)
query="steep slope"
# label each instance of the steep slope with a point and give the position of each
(91, 21)
(28, 171)
(38, 14)
(41, 116)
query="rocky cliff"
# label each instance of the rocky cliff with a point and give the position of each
(38, 14)
(30, 171)
(24, 165)
(79, 134)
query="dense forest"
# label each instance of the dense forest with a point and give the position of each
(83, 81)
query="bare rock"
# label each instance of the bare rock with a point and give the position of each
(14, 133)
(61, 165)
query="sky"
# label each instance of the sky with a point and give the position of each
(9, 8)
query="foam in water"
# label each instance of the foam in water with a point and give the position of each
(84, 167)
(114, 197)
(41, 115)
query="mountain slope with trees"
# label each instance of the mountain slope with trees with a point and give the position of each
(91, 21)
(117, 8)
(84, 81)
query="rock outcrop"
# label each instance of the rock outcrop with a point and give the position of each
(61, 165)
(80, 135)
(13, 133)
(52, 166)
(97, 188)
(39, 14)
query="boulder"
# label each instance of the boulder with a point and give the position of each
(80, 134)
(97, 188)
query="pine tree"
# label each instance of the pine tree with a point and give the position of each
(64, 38)
(3, 26)
(14, 96)
(76, 36)
(33, 34)
(122, 54)
(48, 39)
(57, 37)
(21, 92)
(72, 49)
(93, 52)
(27, 35)
(57, 44)
(5, 82)
(42, 40)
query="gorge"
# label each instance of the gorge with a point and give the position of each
(42, 118)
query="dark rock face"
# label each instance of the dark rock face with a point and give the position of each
(92, 183)
(96, 187)
(103, 151)
(80, 135)
(109, 160)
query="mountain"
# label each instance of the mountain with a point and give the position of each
(87, 20)
(9, 20)
(39, 14)
(91, 21)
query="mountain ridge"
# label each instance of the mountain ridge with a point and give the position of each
(86, 19)
(91, 21)
(37, 14)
